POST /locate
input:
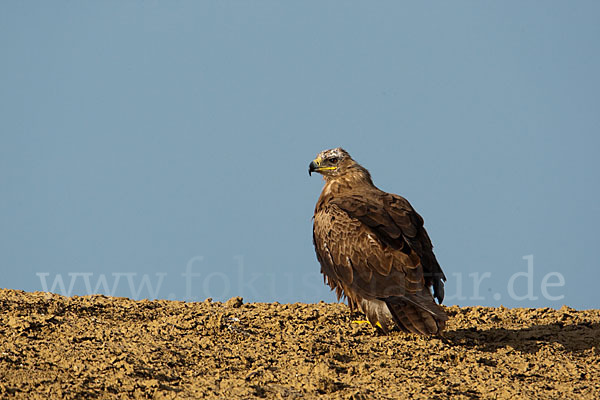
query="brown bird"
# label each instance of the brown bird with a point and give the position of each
(374, 250)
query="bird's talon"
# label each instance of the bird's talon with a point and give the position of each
(362, 321)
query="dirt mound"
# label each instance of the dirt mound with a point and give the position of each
(101, 347)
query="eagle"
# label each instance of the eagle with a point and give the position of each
(374, 250)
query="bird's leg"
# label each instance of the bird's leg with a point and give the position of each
(364, 321)
(353, 314)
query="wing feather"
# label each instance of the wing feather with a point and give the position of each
(357, 261)
(386, 282)
(396, 224)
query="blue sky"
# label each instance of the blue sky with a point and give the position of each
(160, 149)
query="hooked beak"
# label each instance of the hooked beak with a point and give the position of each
(312, 167)
(315, 166)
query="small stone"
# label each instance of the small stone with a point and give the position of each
(235, 302)
(206, 343)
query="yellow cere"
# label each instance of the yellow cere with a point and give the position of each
(318, 161)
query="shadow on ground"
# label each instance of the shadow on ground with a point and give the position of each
(573, 338)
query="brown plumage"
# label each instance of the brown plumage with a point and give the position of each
(374, 250)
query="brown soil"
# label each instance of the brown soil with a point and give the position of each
(101, 347)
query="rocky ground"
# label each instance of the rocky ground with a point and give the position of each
(100, 347)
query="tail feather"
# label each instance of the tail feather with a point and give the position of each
(417, 315)
(412, 313)
(406, 319)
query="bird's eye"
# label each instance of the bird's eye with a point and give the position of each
(332, 160)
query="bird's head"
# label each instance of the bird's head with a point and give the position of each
(330, 163)
(337, 163)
